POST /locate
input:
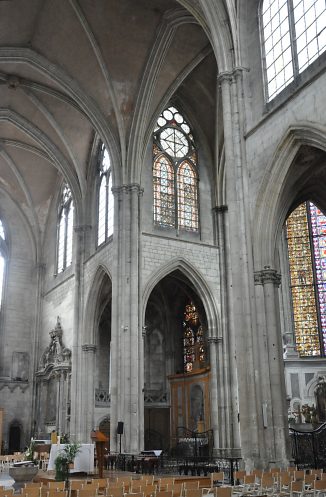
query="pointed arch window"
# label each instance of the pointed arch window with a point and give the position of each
(194, 356)
(294, 35)
(105, 206)
(306, 240)
(65, 229)
(3, 257)
(175, 176)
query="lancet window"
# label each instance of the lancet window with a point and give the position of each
(3, 255)
(175, 176)
(193, 339)
(294, 35)
(105, 205)
(306, 240)
(65, 229)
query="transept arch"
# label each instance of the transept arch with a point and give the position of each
(200, 285)
(285, 185)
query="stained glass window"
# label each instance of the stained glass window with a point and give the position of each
(294, 35)
(306, 238)
(105, 197)
(65, 229)
(194, 356)
(175, 177)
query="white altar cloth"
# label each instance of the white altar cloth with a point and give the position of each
(84, 460)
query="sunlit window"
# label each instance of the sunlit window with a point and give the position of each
(3, 251)
(306, 239)
(105, 197)
(175, 177)
(294, 35)
(65, 229)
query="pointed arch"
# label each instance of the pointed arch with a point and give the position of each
(92, 301)
(199, 283)
(280, 187)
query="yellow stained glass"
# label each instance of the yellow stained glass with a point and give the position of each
(302, 283)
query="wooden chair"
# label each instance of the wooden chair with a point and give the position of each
(149, 490)
(193, 492)
(238, 477)
(87, 492)
(147, 479)
(223, 491)
(56, 485)
(317, 472)
(297, 488)
(309, 480)
(164, 493)
(217, 479)
(268, 485)
(31, 492)
(163, 483)
(112, 491)
(56, 493)
(192, 484)
(138, 494)
(319, 488)
(299, 475)
(177, 489)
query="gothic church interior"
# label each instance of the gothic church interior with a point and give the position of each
(162, 227)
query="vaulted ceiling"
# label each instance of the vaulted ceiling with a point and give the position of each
(70, 69)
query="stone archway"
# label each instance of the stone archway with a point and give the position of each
(169, 386)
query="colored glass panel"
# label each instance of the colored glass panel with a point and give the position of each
(187, 197)
(175, 180)
(164, 198)
(193, 340)
(318, 228)
(302, 283)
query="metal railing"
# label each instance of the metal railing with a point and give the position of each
(309, 447)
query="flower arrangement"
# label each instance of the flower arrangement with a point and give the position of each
(65, 457)
(29, 452)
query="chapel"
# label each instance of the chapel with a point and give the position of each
(163, 222)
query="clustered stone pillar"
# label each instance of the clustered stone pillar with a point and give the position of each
(87, 373)
(127, 403)
(273, 395)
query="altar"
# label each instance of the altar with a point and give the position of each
(84, 460)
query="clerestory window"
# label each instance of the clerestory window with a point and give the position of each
(105, 199)
(306, 240)
(294, 35)
(175, 176)
(65, 229)
(3, 256)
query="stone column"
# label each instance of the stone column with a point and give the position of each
(88, 374)
(127, 381)
(215, 418)
(76, 421)
(274, 395)
(239, 287)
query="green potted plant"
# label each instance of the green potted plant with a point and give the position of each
(65, 457)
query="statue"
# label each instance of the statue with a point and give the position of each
(55, 352)
(320, 396)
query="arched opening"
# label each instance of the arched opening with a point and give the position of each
(103, 350)
(15, 436)
(176, 370)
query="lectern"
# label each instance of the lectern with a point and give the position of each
(99, 438)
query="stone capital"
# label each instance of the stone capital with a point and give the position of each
(214, 339)
(88, 347)
(267, 275)
(220, 209)
(126, 189)
(82, 228)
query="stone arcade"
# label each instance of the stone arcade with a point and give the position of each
(155, 158)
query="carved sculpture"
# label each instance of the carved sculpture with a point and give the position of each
(56, 353)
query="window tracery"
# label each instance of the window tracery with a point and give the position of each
(105, 197)
(65, 229)
(294, 35)
(306, 240)
(175, 177)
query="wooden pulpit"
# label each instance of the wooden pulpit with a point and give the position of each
(100, 439)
